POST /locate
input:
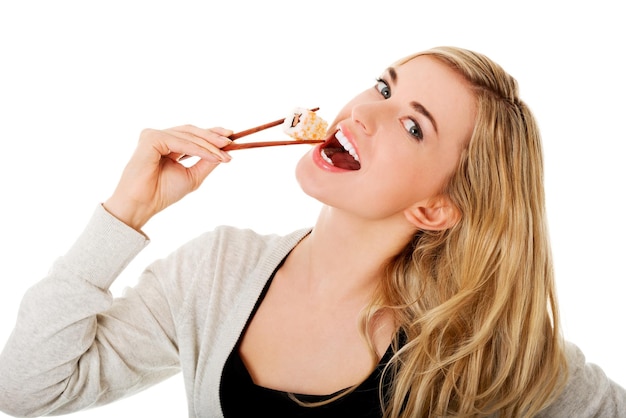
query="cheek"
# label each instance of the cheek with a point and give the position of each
(409, 177)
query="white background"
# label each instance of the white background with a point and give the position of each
(80, 79)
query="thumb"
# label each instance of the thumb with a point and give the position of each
(200, 170)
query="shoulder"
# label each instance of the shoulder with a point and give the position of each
(219, 269)
(234, 242)
(224, 257)
(589, 392)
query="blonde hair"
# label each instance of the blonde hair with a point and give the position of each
(476, 303)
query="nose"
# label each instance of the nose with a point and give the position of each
(366, 116)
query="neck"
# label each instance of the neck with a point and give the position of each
(345, 256)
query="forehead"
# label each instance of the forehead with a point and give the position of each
(442, 90)
(428, 72)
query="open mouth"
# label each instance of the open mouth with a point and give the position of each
(339, 152)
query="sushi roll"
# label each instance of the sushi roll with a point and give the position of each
(304, 124)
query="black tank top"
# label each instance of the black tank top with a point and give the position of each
(241, 397)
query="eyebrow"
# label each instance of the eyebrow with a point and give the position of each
(418, 107)
(421, 109)
(392, 74)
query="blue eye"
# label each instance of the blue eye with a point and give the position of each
(383, 88)
(413, 128)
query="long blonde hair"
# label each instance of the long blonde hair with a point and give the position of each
(476, 303)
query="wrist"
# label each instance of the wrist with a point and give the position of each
(126, 213)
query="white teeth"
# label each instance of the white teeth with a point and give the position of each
(325, 157)
(346, 144)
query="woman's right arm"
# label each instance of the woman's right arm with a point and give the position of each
(73, 345)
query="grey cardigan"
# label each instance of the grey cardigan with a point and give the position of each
(75, 346)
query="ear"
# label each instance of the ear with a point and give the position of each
(436, 214)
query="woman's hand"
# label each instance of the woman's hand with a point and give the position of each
(154, 178)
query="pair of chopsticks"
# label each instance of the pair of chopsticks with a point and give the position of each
(263, 127)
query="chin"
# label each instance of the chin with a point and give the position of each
(308, 178)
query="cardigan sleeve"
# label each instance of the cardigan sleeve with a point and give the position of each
(74, 346)
(589, 393)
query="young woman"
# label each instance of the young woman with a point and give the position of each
(425, 288)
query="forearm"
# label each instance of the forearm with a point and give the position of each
(57, 322)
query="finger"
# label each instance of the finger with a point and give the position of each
(181, 148)
(216, 136)
(213, 141)
(222, 131)
(174, 144)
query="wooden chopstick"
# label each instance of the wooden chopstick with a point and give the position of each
(245, 145)
(233, 146)
(260, 128)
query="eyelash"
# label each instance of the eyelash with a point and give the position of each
(382, 85)
(385, 91)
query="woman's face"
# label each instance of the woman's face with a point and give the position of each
(394, 145)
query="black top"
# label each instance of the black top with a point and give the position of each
(241, 397)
